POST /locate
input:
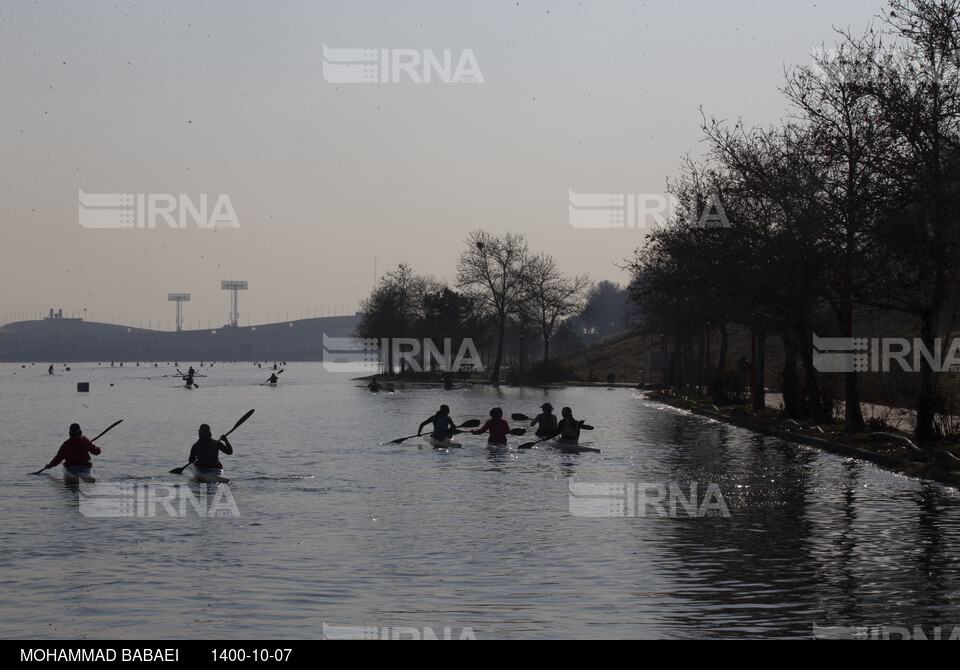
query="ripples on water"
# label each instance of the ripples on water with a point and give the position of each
(336, 528)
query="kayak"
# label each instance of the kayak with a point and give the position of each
(445, 443)
(210, 475)
(75, 474)
(568, 446)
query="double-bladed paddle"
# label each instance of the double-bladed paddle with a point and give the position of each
(179, 471)
(268, 381)
(527, 445)
(524, 417)
(91, 441)
(472, 423)
(190, 377)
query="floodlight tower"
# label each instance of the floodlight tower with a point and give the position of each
(234, 310)
(179, 298)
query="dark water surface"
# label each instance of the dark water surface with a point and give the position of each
(325, 530)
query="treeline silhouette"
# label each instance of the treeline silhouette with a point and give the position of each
(506, 299)
(851, 203)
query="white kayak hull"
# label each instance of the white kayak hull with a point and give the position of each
(210, 475)
(438, 443)
(78, 473)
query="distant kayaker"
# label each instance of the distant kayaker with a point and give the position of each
(569, 427)
(443, 425)
(496, 425)
(50, 370)
(189, 378)
(374, 385)
(273, 379)
(546, 421)
(76, 450)
(205, 453)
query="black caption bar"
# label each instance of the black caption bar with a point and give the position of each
(156, 654)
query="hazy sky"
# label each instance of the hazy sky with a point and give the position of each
(328, 179)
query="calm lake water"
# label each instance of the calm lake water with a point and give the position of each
(327, 530)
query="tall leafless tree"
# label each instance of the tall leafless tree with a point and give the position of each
(494, 270)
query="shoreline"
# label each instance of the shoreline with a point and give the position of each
(891, 451)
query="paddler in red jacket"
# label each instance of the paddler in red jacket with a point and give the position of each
(499, 429)
(76, 450)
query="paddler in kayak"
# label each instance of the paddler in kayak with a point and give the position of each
(374, 385)
(76, 450)
(443, 425)
(497, 426)
(205, 453)
(569, 427)
(546, 422)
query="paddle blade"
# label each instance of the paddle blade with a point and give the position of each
(520, 417)
(400, 440)
(107, 430)
(240, 422)
(518, 431)
(472, 423)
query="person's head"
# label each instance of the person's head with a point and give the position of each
(567, 412)
(496, 412)
(75, 430)
(444, 410)
(546, 407)
(205, 430)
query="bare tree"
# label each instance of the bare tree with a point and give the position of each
(551, 297)
(494, 269)
(919, 101)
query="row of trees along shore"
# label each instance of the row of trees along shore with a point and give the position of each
(503, 290)
(849, 204)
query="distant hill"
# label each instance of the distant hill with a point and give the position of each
(74, 340)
